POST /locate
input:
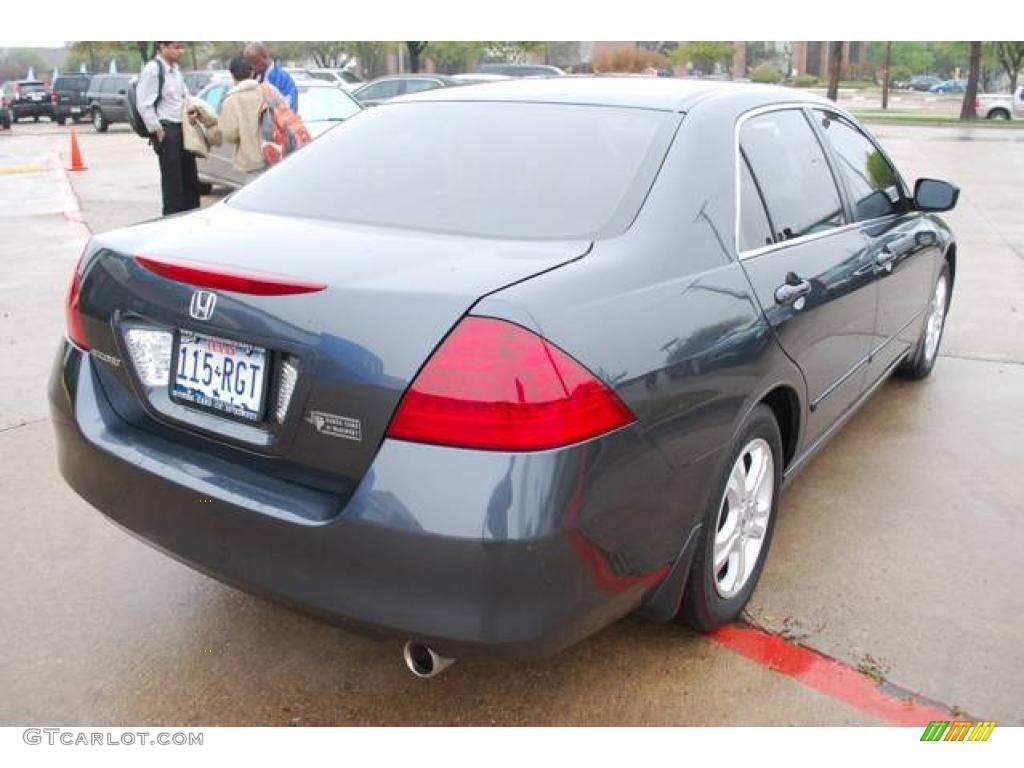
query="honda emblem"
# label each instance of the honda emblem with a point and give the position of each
(202, 305)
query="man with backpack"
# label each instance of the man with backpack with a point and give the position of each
(240, 112)
(160, 96)
(256, 118)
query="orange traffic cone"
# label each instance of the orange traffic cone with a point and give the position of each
(76, 153)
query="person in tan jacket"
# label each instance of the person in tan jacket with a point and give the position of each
(239, 121)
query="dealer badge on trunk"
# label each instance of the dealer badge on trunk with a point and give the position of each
(333, 425)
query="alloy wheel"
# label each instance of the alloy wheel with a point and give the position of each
(936, 318)
(743, 517)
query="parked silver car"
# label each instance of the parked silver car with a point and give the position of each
(321, 106)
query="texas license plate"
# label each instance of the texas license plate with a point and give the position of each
(221, 375)
(76, 110)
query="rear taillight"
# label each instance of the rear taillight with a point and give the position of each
(977, 104)
(76, 328)
(497, 386)
(227, 278)
(53, 97)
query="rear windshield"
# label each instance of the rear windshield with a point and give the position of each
(32, 87)
(65, 83)
(490, 169)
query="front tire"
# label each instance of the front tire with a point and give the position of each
(921, 361)
(737, 527)
(99, 123)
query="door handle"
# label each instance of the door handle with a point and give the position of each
(885, 257)
(794, 290)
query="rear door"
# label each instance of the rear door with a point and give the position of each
(808, 265)
(119, 98)
(902, 246)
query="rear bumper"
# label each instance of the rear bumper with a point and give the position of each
(464, 550)
(29, 109)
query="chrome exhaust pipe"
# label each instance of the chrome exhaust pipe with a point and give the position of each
(423, 661)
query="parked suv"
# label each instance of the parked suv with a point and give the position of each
(27, 98)
(70, 97)
(108, 100)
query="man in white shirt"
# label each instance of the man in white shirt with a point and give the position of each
(161, 110)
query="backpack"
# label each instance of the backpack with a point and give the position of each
(134, 118)
(281, 130)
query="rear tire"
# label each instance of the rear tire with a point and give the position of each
(60, 120)
(737, 527)
(998, 114)
(205, 187)
(99, 122)
(921, 361)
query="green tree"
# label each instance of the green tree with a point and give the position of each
(415, 50)
(1011, 57)
(96, 55)
(372, 56)
(968, 109)
(835, 69)
(15, 63)
(703, 54)
(456, 56)
(512, 50)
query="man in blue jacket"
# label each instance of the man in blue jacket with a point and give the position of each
(265, 69)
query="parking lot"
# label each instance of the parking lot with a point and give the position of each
(897, 553)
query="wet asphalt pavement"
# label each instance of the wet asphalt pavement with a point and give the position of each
(897, 550)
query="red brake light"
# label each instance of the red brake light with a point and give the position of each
(495, 385)
(76, 328)
(228, 278)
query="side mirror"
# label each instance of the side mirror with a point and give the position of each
(935, 195)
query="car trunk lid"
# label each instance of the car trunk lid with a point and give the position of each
(386, 298)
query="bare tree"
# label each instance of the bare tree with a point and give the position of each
(968, 110)
(835, 69)
(886, 63)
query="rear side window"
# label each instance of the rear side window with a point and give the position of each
(792, 173)
(755, 229)
(489, 169)
(873, 184)
(383, 90)
(414, 86)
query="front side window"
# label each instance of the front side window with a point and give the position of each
(873, 184)
(792, 173)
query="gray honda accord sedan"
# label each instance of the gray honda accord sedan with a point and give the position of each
(491, 367)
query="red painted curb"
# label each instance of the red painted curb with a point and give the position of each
(829, 676)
